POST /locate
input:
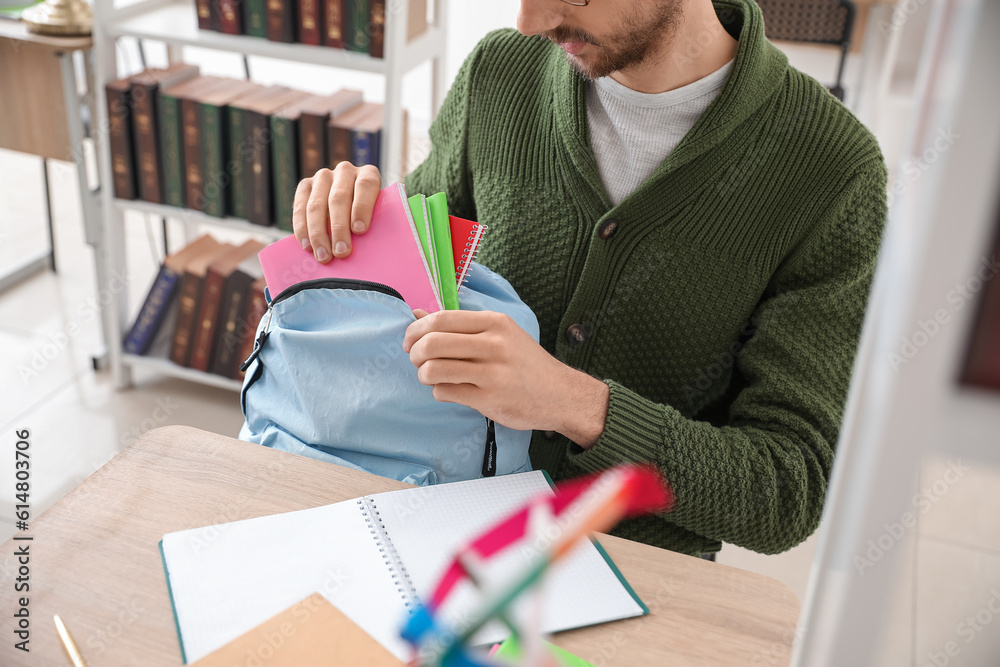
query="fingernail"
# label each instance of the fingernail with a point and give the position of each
(322, 254)
(305, 243)
(340, 249)
(358, 226)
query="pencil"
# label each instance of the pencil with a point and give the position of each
(74, 653)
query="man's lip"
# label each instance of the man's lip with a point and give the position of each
(572, 48)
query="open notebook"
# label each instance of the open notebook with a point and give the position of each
(371, 557)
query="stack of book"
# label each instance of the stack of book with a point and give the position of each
(203, 309)
(354, 25)
(229, 147)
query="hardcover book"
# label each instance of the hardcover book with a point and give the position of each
(281, 20)
(189, 298)
(215, 173)
(233, 313)
(312, 21)
(315, 115)
(120, 139)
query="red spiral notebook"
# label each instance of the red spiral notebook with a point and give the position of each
(389, 253)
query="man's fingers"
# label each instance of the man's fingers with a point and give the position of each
(341, 202)
(455, 321)
(317, 210)
(366, 189)
(300, 226)
(445, 345)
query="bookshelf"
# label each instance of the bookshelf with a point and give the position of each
(174, 23)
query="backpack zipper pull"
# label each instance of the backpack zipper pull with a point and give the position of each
(490, 455)
(259, 343)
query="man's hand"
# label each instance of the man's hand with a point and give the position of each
(486, 361)
(332, 205)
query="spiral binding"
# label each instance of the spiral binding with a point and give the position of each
(400, 577)
(472, 246)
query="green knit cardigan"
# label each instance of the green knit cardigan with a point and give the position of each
(724, 305)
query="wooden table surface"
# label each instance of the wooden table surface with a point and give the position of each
(94, 560)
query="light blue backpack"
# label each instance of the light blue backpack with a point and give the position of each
(328, 379)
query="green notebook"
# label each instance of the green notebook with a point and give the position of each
(438, 207)
(422, 221)
(511, 650)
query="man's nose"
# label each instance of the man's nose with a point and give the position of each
(535, 16)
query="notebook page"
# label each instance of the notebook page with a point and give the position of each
(427, 525)
(227, 579)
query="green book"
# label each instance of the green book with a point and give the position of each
(212, 159)
(255, 17)
(357, 37)
(284, 168)
(437, 205)
(236, 192)
(421, 220)
(170, 139)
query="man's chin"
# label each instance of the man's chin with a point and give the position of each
(584, 67)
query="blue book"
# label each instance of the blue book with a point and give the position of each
(161, 296)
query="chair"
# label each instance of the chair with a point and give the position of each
(814, 21)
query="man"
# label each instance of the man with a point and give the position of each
(694, 223)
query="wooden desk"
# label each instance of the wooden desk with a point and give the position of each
(95, 562)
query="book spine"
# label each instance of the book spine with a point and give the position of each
(236, 156)
(212, 156)
(143, 98)
(334, 21)
(376, 47)
(193, 177)
(187, 311)
(258, 177)
(356, 35)
(255, 311)
(464, 262)
(362, 148)
(281, 20)
(227, 339)
(120, 142)
(284, 164)
(312, 147)
(341, 145)
(255, 18)
(170, 139)
(230, 17)
(204, 14)
(140, 336)
(311, 21)
(204, 326)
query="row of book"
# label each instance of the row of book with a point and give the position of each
(230, 147)
(203, 308)
(354, 25)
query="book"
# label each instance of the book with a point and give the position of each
(161, 296)
(233, 311)
(189, 298)
(466, 237)
(334, 15)
(217, 178)
(145, 87)
(230, 16)
(389, 253)
(312, 21)
(355, 135)
(315, 116)
(356, 35)
(367, 136)
(376, 41)
(256, 135)
(281, 20)
(310, 630)
(373, 557)
(256, 310)
(422, 223)
(120, 139)
(172, 138)
(191, 132)
(255, 18)
(211, 300)
(204, 11)
(238, 153)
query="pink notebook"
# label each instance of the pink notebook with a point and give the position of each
(388, 253)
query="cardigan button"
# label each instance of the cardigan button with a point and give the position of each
(607, 229)
(550, 435)
(576, 334)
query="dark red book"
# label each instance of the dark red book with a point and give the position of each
(334, 23)
(315, 115)
(191, 288)
(120, 138)
(281, 20)
(312, 21)
(231, 17)
(376, 45)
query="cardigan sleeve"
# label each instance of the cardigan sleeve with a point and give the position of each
(759, 479)
(446, 167)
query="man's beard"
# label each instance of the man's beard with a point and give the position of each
(635, 41)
